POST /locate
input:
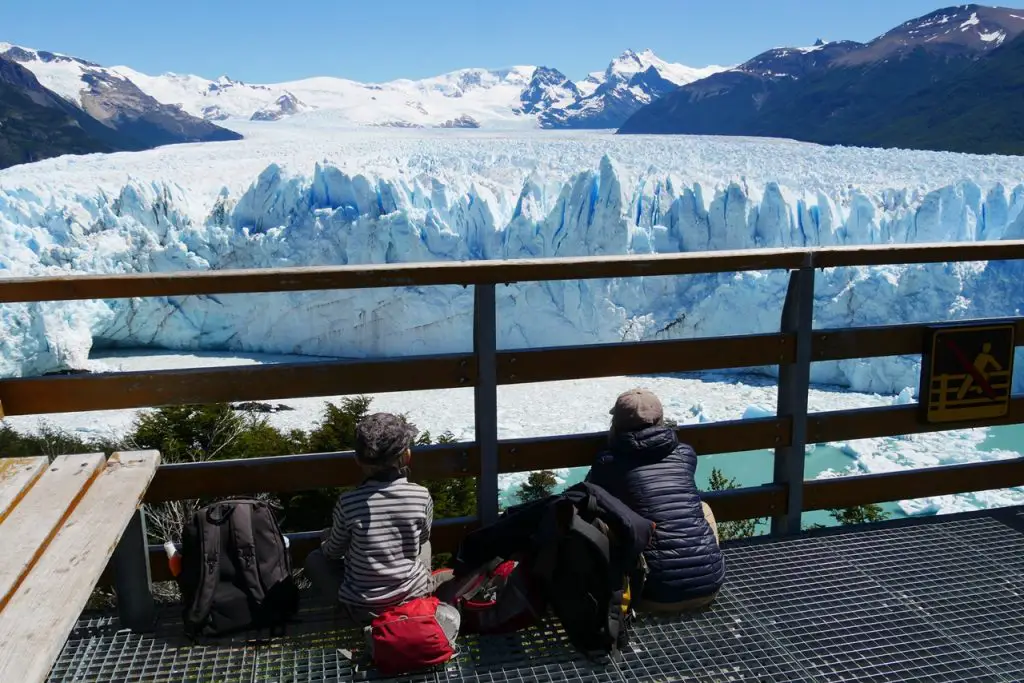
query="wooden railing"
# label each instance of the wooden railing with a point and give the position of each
(793, 349)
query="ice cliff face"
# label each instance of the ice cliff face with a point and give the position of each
(336, 217)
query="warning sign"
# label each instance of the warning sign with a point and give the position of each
(967, 372)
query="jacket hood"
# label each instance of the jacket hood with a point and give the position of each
(650, 443)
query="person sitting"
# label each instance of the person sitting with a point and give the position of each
(646, 467)
(376, 553)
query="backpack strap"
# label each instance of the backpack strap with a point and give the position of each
(553, 525)
(603, 546)
(273, 558)
(209, 546)
(245, 548)
(592, 534)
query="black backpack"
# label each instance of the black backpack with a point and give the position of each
(236, 570)
(584, 551)
(590, 561)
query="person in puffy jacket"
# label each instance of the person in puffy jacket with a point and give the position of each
(646, 467)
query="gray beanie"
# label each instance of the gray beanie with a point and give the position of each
(381, 439)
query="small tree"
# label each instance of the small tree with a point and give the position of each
(199, 433)
(452, 497)
(538, 485)
(47, 441)
(336, 432)
(189, 433)
(337, 428)
(728, 531)
(446, 437)
(859, 514)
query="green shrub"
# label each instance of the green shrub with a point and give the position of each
(538, 486)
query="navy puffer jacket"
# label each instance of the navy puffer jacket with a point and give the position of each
(653, 474)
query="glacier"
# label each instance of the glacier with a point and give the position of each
(320, 197)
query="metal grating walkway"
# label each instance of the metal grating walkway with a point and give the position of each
(932, 600)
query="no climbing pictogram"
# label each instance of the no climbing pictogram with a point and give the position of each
(967, 372)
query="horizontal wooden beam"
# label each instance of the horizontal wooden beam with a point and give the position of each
(867, 342)
(189, 283)
(874, 342)
(120, 390)
(186, 283)
(528, 455)
(747, 503)
(823, 494)
(867, 423)
(606, 360)
(125, 390)
(445, 537)
(941, 252)
(289, 473)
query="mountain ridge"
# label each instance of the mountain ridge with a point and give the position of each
(34, 121)
(843, 92)
(518, 96)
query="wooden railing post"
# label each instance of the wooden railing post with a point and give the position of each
(132, 578)
(485, 403)
(794, 383)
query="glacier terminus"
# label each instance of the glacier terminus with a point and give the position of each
(291, 195)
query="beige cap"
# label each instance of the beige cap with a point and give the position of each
(636, 409)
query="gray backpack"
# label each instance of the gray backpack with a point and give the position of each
(236, 570)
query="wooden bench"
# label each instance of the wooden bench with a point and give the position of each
(60, 523)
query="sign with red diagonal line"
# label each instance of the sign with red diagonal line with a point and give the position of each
(967, 372)
(970, 368)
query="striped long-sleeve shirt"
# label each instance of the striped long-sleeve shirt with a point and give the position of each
(379, 529)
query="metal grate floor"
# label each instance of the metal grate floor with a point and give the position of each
(914, 600)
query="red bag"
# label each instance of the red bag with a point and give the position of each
(415, 635)
(500, 597)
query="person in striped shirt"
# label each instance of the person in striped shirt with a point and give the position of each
(377, 552)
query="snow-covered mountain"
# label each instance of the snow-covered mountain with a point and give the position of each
(285, 105)
(37, 124)
(489, 96)
(520, 96)
(291, 195)
(605, 99)
(139, 120)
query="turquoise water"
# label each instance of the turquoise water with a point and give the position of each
(1009, 438)
(754, 468)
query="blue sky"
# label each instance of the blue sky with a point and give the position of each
(268, 41)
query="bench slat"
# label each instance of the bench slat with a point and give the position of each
(17, 475)
(34, 522)
(37, 620)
